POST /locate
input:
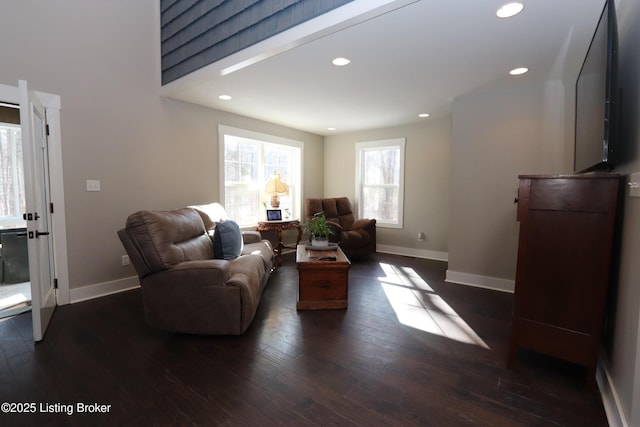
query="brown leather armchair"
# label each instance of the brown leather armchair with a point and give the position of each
(356, 237)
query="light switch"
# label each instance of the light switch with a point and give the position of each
(634, 185)
(93, 185)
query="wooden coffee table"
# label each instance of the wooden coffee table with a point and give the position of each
(322, 284)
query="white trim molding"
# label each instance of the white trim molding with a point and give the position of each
(412, 252)
(98, 290)
(610, 398)
(478, 281)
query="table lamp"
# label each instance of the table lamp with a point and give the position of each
(275, 188)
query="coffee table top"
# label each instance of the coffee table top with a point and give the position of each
(312, 256)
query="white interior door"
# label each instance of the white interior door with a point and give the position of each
(33, 122)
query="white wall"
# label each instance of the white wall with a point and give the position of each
(102, 58)
(623, 344)
(497, 135)
(427, 186)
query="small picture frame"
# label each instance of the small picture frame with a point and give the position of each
(274, 215)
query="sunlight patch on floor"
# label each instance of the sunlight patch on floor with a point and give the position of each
(14, 294)
(13, 300)
(418, 306)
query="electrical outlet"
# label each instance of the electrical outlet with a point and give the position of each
(125, 260)
(93, 185)
(421, 236)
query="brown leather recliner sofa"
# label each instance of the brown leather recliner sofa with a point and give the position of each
(184, 288)
(356, 237)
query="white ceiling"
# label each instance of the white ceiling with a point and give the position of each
(407, 57)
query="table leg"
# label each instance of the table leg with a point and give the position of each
(299, 236)
(279, 248)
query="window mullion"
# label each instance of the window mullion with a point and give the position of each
(261, 173)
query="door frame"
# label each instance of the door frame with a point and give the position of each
(52, 106)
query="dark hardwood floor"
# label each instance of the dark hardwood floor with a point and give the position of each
(360, 366)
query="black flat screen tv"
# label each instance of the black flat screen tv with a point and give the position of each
(596, 98)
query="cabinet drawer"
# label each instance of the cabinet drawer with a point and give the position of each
(567, 194)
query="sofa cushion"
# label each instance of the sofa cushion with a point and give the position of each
(167, 238)
(210, 214)
(263, 249)
(227, 240)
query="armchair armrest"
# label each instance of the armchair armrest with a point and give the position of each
(364, 223)
(337, 231)
(336, 226)
(251, 237)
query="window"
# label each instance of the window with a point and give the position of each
(380, 181)
(247, 161)
(12, 199)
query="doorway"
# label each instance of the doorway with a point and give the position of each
(15, 287)
(43, 192)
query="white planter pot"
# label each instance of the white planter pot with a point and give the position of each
(319, 241)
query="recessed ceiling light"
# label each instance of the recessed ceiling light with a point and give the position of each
(423, 115)
(518, 71)
(340, 61)
(331, 129)
(510, 9)
(224, 97)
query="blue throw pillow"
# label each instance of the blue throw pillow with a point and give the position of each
(227, 240)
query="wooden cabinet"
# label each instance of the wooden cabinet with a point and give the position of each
(567, 226)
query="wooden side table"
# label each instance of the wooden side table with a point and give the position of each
(322, 284)
(279, 226)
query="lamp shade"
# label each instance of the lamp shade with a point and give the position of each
(276, 186)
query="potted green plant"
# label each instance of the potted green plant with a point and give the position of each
(319, 230)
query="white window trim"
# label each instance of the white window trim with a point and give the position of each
(386, 143)
(258, 136)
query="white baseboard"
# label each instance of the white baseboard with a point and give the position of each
(609, 395)
(102, 289)
(494, 283)
(475, 280)
(412, 252)
(107, 288)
